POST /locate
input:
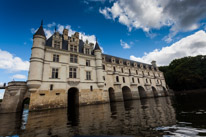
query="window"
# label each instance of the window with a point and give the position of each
(142, 73)
(104, 78)
(103, 66)
(87, 62)
(114, 69)
(56, 58)
(146, 81)
(55, 72)
(57, 44)
(137, 72)
(72, 72)
(87, 51)
(117, 79)
(157, 81)
(88, 75)
(123, 79)
(132, 80)
(73, 58)
(138, 80)
(73, 48)
(150, 81)
(129, 71)
(148, 74)
(122, 70)
(51, 87)
(91, 88)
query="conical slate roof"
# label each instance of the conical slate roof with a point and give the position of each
(97, 46)
(40, 31)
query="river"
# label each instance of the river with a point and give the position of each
(178, 116)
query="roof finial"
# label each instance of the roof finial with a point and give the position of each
(42, 22)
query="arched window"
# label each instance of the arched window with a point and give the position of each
(137, 72)
(129, 71)
(122, 70)
(123, 79)
(117, 79)
(138, 80)
(114, 69)
(132, 80)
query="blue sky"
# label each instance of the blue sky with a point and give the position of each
(160, 30)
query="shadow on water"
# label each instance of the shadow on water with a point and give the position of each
(147, 117)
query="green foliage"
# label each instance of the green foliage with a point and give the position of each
(186, 73)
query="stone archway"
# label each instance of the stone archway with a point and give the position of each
(111, 94)
(155, 92)
(142, 92)
(127, 94)
(25, 104)
(165, 91)
(73, 98)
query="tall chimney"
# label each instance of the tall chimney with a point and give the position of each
(65, 34)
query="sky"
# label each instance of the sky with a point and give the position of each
(161, 30)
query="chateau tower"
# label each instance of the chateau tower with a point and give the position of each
(98, 60)
(36, 60)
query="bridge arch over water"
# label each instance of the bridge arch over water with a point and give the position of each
(73, 97)
(142, 92)
(126, 92)
(111, 95)
(155, 93)
(165, 91)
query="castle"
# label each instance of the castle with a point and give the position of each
(66, 71)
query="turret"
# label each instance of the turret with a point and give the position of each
(99, 69)
(36, 60)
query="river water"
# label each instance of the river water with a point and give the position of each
(180, 116)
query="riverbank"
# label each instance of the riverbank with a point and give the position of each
(190, 92)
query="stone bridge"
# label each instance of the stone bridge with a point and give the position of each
(15, 93)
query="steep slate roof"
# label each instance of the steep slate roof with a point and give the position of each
(108, 58)
(97, 46)
(40, 31)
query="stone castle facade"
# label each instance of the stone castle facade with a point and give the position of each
(65, 71)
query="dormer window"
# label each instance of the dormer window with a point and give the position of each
(128, 63)
(113, 60)
(141, 66)
(57, 44)
(87, 51)
(103, 58)
(135, 64)
(120, 62)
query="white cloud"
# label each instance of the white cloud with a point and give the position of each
(1, 84)
(12, 63)
(180, 15)
(192, 45)
(124, 45)
(1, 93)
(18, 76)
(49, 31)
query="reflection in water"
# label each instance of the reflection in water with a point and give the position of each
(148, 117)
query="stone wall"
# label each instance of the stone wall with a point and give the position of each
(14, 95)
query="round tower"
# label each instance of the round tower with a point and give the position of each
(36, 60)
(99, 70)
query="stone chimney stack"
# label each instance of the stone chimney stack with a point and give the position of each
(65, 34)
(154, 63)
(76, 34)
